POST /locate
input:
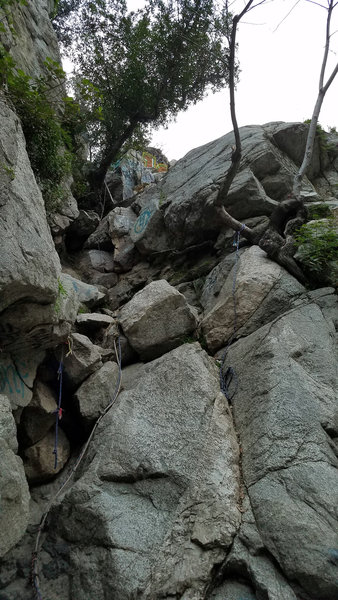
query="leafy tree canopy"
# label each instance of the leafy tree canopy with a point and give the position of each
(138, 68)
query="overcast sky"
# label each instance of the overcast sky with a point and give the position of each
(278, 81)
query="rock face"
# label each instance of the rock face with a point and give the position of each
(286, 415)
(179, 208)
(179, 494)
(29, 264)
(157, 319)
(39, 459)
(14, 493)
(96, 392)
(260, 285)
(171, 498)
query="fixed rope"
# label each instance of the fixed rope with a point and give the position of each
(59, 410)
(227, 375)
(35, 554)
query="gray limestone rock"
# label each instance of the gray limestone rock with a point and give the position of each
(17, 375)
(93, 324)
(101, 261)
(39, 416)
(81, 228)
(259, 283)
(233, 590)
(149, 233)
(121, 222)
(14, 498)
(87, 294)
(100, 239)
(156, 498)
(39, 459)
(29, 264)
(157, 319)
(286, 416)
(94, 395)
(84, 359)
(7, 424)
(192, 184)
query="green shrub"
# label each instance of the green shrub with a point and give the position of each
(317, 244)
(48, 127)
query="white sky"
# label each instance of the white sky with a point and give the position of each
(278, 80)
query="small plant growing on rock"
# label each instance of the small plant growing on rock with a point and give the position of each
(317, 243)
(62, 293)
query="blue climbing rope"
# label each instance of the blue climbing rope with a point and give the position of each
(227, 375)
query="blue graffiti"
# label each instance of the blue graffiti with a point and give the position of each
(85, 290)
(143, 220)
(12, 378)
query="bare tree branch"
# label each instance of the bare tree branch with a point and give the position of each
(314, 120)
(286, 16)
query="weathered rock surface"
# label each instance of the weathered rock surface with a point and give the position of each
(163, 504)
(29, 264)
(265, 177)
(17, 376)
(87, 294)
(93, 324)
(100, 238)
(39, 459)
(14, 498)
(39, 416)
(37, 38)
(7, 424)
(84, 359)
(148, 233)
(285, 413)
(262, 290)
(94, 395)
(14, 493)
(157, 319)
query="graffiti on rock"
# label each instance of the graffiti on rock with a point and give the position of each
(143, 220)
(12, 378)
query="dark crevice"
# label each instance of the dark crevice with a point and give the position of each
(133, 477)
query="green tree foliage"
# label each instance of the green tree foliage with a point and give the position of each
(138, 68)
(49, 127)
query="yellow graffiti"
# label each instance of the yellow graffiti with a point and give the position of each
(149, 162)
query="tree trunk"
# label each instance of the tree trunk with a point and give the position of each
(97, 175)
(314, 120)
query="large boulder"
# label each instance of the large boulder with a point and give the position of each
(94, 395)
(14, 493)
(83, 360)
(17, 375)
(121, 222)
(29, 267)
(285, 413)
(260, 289)
(157, 319)
(39, 416)
(185, 195)
(47, 457)
(156, 500)
(87, 294)
(7, 424)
